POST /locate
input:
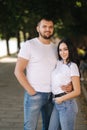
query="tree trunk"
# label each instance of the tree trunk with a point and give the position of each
(18, 42)
(24, 35)
(7, 43)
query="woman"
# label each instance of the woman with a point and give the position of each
(65, 107)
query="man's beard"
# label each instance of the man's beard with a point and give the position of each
(44, 36)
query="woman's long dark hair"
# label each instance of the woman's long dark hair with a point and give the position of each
(73, 55)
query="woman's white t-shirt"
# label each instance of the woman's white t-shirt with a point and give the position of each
(62, 74)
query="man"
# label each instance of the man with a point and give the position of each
(38, 57)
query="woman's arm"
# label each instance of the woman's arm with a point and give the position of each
(76, 90)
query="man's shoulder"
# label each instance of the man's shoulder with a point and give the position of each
(31, 40)
(54, 44)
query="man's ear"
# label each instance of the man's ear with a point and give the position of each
(37, 28)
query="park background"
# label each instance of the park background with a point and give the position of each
(18, 19)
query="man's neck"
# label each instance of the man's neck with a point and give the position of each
(44, 41)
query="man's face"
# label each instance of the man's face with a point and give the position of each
(45, 29)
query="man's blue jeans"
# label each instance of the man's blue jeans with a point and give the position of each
(64, 114)
(33, 105)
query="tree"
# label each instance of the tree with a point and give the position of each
(16, 15)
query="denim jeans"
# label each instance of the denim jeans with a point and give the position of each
(33, 105)
(64, 115)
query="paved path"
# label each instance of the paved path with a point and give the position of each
(11, 100)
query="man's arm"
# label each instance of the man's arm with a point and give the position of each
(21, 77)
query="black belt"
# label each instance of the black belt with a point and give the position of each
(59, 95)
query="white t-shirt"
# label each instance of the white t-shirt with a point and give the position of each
(42, 60)
(62, 74)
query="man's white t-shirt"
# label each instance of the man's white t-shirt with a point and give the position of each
(61, 75)
(42, 60)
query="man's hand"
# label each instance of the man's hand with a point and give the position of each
(31, 91)
(67, 88)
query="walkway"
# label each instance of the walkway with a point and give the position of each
(11, 100)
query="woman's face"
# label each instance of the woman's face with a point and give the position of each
(63, 51)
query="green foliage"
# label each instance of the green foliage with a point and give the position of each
(69, 16)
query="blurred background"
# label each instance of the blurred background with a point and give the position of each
(18, 20)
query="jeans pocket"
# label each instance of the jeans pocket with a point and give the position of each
(32, 99)
(61, 106)
(72, 105)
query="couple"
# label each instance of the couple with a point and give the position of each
(48, 69)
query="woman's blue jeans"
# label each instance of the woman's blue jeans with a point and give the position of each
(33, 105)
(64, 115)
